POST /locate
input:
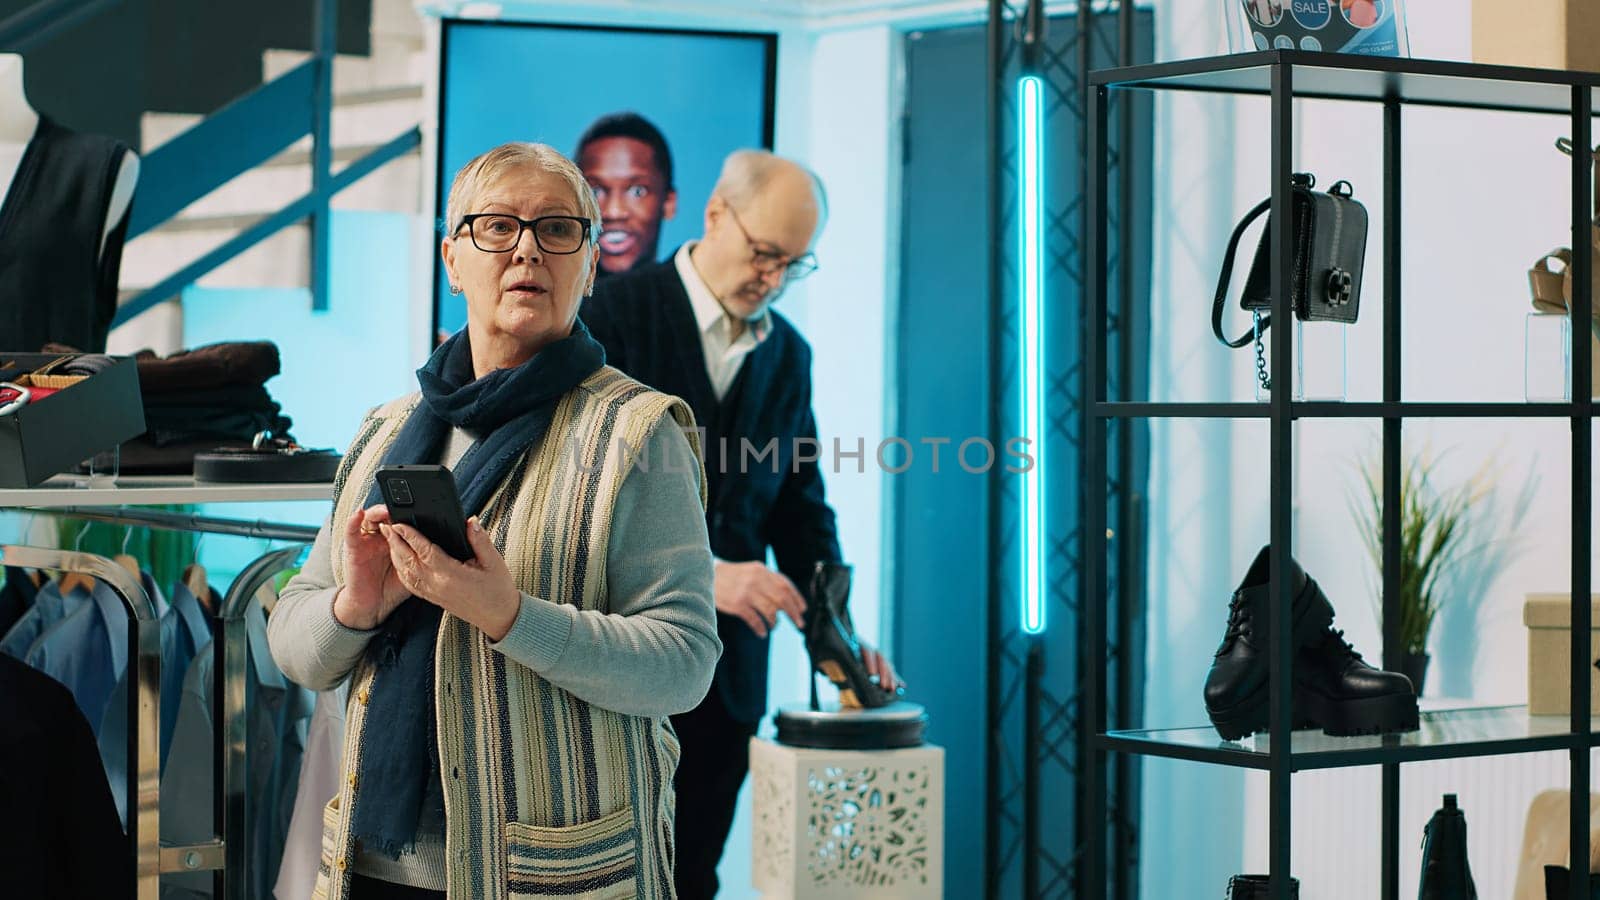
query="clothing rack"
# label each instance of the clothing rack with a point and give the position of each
(226, 854)
(144, 698)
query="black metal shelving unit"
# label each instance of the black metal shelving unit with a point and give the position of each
(1391, 85)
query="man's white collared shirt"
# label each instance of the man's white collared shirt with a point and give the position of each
(723, 354)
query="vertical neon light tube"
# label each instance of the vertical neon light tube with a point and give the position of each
(1030, 268)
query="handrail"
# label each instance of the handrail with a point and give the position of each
(240, 136)
(144, 699)
(42, 20)
(294, 212)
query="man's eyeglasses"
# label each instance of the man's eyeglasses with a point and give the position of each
(499, 233)
(766, 262)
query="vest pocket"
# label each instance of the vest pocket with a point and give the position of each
(326, 863)
(594, 861)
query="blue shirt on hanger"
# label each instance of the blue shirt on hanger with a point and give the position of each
(16, 597)
(185, 628)
(277, 714)
(178, 629)
(49, 607)
(87, 651)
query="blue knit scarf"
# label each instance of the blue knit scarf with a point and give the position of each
(508, 411)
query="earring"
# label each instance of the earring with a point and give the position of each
(455, 288)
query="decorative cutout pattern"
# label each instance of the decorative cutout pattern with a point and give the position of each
(847, 824)
(868, 827)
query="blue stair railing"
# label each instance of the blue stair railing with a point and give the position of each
(241, 136)
(235, 139)
(44, 20)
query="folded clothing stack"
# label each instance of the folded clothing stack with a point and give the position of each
(201, 400)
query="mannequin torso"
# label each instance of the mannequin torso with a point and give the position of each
(18, 124)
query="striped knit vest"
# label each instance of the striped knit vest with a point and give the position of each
(545, 795)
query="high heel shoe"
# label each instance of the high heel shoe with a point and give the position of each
(831, 641)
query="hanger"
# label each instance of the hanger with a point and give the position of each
(267, 596)
(126, 561)
(195, 579)
(34, 575)
(74, 580)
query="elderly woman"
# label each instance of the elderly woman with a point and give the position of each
(507, 731)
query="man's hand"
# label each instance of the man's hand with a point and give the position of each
(878, 664)
(755, 594)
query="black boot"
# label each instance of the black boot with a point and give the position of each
(1558, 882)
(1236, 687)
(1445, 873)
(831, 640)
(1334, 689)
(1254, 887)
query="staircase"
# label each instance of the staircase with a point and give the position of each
(375, 98)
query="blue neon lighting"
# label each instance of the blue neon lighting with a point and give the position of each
(1030, 267)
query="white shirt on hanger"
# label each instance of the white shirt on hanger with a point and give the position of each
(724, 353)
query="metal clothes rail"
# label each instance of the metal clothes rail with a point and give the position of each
(226, 854)
(168, 521)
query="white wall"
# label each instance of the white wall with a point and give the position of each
(1192, 556)
(835, 99)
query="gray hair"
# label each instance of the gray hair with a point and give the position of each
(476, 176)
(746, 172)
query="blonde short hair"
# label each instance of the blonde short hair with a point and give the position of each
(474, 178)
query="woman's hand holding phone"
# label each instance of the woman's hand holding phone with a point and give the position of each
(479, 591)
(372, 588)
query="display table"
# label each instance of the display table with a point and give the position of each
(847, 823)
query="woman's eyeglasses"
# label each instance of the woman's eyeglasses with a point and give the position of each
(499, 233)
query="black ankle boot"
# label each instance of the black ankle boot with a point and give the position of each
(1335, 689)
(1445, 873)
(1236, 687)
(831, 640)
(1558, 882)
(1254, 887)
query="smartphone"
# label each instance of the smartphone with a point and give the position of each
(425, 498)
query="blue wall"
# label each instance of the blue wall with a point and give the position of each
(337, 364)
(942, 390)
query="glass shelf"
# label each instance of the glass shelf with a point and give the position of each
(1444, 734)
(1346, 76)
(1321, 409)
(144, 490)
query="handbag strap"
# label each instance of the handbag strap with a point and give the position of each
(1227, 276)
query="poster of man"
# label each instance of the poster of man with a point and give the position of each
(647, 114)
(628, 164)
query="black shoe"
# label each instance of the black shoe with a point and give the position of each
(831, 641)
(1334, 689)
(1558, 882)
(1254, 887)
(1236, 687)
(1445, 873)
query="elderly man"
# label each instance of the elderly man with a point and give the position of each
(626, 161)
(700, 326)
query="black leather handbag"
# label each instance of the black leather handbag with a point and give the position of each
(1330, 244)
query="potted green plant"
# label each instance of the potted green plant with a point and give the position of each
(1434, 528)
